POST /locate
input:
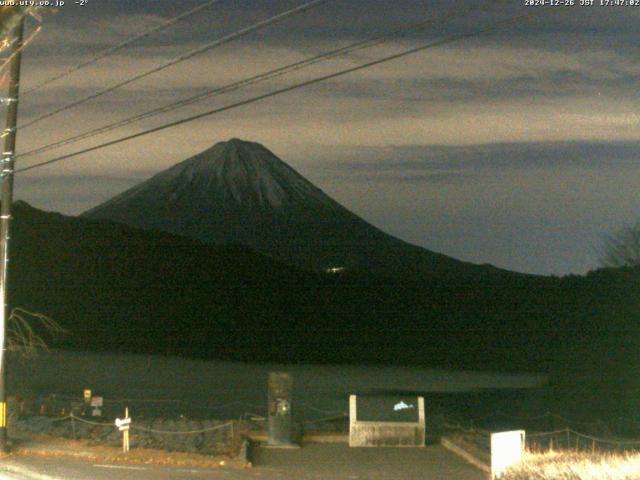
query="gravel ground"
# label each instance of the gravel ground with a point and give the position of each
(339, 462)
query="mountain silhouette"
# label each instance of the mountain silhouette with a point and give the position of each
(240, 192)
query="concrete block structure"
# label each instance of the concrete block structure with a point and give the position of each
(400, 432)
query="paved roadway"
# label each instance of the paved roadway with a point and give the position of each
(313, 462)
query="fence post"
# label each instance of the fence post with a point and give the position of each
(568, 440)
(73, 426)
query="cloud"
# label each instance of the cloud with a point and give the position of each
(289, 123)
(476, 92)
(490, 157)
(404, 177)
(68, 31)
(71, 194)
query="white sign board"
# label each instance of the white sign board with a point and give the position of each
(123, 424)
(97, 401)
(506, 450)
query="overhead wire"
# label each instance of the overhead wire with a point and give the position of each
(206, 47)
(274, 73)
(433, 44)
(116, 48)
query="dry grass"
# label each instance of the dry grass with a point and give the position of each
(577, 466)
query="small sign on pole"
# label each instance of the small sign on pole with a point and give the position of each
(96, 404)
(87, 395)
(123, 425)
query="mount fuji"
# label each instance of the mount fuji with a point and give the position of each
(240, 192)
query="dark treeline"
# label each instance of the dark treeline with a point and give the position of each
(115, 288)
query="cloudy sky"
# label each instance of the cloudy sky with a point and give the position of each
(518, 147)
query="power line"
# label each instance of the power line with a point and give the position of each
(280, 71)
(110, 51)
(437, 43)
(209, 46)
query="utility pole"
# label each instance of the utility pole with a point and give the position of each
(6, 199)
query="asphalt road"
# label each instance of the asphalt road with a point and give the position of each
(313, 462)
(34, 468)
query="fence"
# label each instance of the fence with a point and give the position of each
(195, 431)
(166, 424)
(212, 437)
(565, 438)
(550, 422)
(62, 405)
(568, 439)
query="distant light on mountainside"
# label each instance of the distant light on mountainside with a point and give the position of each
(335, 270)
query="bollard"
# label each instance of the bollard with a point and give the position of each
(73, 427)
(233, 435)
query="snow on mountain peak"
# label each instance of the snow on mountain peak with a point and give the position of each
(234, 172)
(246, 172)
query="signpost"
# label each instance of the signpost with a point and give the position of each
(123, 425)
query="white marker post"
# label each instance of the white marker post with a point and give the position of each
(123, 425)
(506, 450)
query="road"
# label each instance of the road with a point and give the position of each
(35, 468)
(313, 462)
